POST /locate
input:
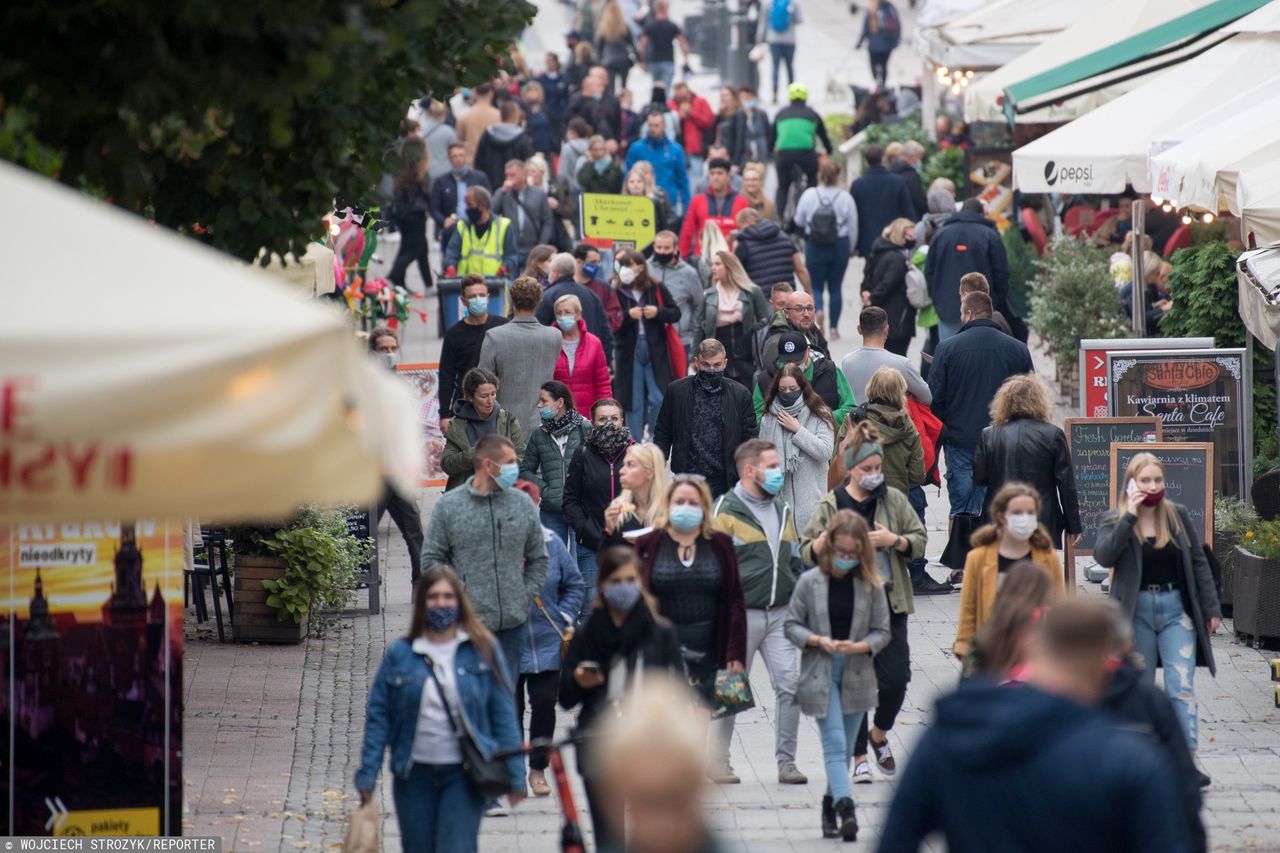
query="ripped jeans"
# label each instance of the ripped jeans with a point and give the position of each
(1162, 631)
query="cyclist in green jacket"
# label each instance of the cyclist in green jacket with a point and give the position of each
(797, 129)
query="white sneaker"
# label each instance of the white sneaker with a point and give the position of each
(862, 773)
(495, 808)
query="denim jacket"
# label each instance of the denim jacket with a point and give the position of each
(487, 706)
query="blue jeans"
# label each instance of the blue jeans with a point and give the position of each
(512, 641)
(838, 731)
(782, 54)
(826, 269)
(438, 811)
(555, 521)
(663, 73)
(915, 496)
(587, 565)
(1163, 631)
(947, 330)
(964, 495)
(646, 395)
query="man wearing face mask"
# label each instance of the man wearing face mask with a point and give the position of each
(704, 418)
(491, 534)
(460, 350)
(564, 283)
(667, 268)
(484, 244)
(449, 192)
(765, 540)
(586, 271)
(827, 380)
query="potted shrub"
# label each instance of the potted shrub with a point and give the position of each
(285, 576)
(1256, 581)
(1231, 518)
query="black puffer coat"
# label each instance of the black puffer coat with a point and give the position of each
(886, 282)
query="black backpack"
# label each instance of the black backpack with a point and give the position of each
(824, 227)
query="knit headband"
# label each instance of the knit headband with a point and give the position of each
(867, 448)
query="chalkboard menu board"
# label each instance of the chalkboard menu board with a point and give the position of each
(1187, 476)
(358, 526)
(1089, 441)
(1201, 395)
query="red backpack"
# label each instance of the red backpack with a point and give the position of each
(930, 429)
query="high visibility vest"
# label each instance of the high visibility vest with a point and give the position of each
(483, 256)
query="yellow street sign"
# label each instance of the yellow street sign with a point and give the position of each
(627, 218)
(109, 822)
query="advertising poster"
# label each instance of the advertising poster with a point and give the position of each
(92, 706)
(1200, 395)
(618, 221)
(425, 379)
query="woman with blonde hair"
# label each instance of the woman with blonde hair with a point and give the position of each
(886, 408)
(581, 364)
(640, 181)
(1162, 582)
(1024, 444)
(613, 43)
(732, 303)
(644, 480)
(839, 618)
(1014, 534)
(885, 282)
(692, 570)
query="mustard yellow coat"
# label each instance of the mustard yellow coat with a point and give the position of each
(978, 594)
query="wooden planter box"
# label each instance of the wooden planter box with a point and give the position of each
(1224, 548)
(1256, 596)
(255, 620)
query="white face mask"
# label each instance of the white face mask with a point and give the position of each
(1021, 526)
(627, 275)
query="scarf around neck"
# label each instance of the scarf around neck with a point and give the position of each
(563, 425)
(788, 450)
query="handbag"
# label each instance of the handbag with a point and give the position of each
(733, 694)
(488, 776)
(565, 636)
(362, 831)
(675, 346)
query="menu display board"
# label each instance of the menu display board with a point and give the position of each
(1089, 442)
(1186, 476)
(1200, 395)
(1093, 365)
(425, 381)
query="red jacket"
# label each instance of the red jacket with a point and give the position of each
(699, 213)
(590, 378)
(696, 130)
(930, 429)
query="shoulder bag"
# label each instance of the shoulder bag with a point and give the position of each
(675, 347)
(565, 636)
(488, 776)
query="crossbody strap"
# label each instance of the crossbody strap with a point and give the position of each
(444, 699)
(537, 600)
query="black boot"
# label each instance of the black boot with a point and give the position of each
(829, 818)
(848, 823)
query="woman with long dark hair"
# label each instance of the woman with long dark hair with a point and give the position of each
(411, 202)
(441, 676)
(538, 267)
(800, 425)
(479, 416)
(622, 639)
(560, 433)
(642, 365)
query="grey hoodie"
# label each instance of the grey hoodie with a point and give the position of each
(571, 153)
(495, 543)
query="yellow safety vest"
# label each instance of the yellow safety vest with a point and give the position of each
(482, 257)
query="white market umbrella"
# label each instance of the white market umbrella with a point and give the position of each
(996, 33)
(1258, 202)
(142, 374)
(1201, 170)
(1107, 149)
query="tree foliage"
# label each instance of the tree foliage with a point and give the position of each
(1072, 298)
(249, 121)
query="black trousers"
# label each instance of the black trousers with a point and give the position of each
(413, 247)
(880, 68)
(404, 513)
(893, 671)
(541, 688)
(898, 346)
(605, 838)
(783, 161)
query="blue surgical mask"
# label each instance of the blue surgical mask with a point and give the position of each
(508, 475)
(477, 305)
(621, 596)
(843, 566)
(566, 322)
(602, 164)
(547, 413)
(772, 482)
(441, 618)
(591, 270)
(686, 518)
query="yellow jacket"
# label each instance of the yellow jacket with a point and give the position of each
(978, 594)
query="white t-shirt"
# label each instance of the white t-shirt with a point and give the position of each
(436, 741)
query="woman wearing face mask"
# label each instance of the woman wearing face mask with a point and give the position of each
(640, 181)
(839, 618)
(898, 536)
(546, 460)
(885, 283)
(1014, 534)
(592, 483)
(479, 416)
(1024, 444)
(581, 364)
(445, 672)
(539, 264)
(692, 571)
(800, 425)
(642, 365)
(600, 173)
(622, 640)
(1162, 581)
(732, 303)
(886, 409)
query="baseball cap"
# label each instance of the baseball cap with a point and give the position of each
(792, 346)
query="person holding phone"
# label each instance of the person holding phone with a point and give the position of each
(622, 638)
(839, 618)
(1163, 583)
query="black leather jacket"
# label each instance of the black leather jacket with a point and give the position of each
(1035, 453)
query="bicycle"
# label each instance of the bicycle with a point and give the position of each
(571, 840)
